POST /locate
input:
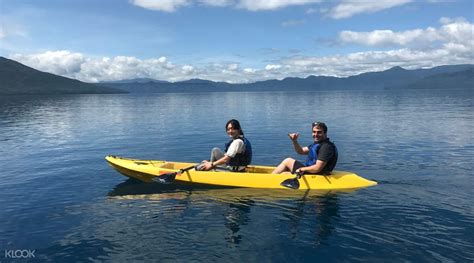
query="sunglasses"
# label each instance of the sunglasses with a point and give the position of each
(317, 124)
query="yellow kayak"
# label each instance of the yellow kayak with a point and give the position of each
(256, 176)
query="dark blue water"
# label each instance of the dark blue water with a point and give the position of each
(60, 198)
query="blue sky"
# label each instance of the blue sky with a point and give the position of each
(233, 40)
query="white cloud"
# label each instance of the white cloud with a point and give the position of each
(345, 9)
(161, 5)
(457, 30)
(453, 32)
(250, 70)
(76, 66)
(350, 8)
(89, 69)
(162, 59)
(257, 5)
(216, 2)
(187, 69)
(61, 62)
(359, 62)
(451, 43)
(272, 67)
(251, 5)
(233, 67)
(388, 37)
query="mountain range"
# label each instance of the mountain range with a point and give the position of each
(442, 77)
(16, 78)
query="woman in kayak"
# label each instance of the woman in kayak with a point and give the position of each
(237, 154)
(322, 154)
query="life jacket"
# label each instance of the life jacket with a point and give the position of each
(241, 159)
(314, 150)
(313, 154)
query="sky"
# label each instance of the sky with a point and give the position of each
(237, 41)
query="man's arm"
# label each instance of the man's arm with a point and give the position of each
(315, 168)
(296, 145)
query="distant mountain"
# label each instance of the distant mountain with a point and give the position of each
(393, 78)
(20, 79)
(197, 81)
(137, 80)
(16, 78)
(396, 77)
(451, 80)
(191, 85)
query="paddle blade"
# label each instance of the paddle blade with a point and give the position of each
(292, 183)
(165, 178)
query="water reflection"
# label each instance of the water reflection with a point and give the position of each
(98, 249)
(321, 211)
(134, 188)
(291, 212)
(236, 216)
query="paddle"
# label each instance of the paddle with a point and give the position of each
(168, 178)
(293, 183)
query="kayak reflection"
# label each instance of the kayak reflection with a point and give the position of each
(321, 210)
(134, 189)
(295, 214)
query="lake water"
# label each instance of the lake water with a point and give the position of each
(61, 199)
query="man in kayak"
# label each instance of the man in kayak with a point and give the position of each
(322, 154)
(238, 151)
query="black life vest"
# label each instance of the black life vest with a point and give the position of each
(241, 159)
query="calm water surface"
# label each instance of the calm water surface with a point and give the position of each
(60, 198)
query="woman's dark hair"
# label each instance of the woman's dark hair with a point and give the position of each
(235, 124)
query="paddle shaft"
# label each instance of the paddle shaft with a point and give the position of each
(168, 178)
(185, 169)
